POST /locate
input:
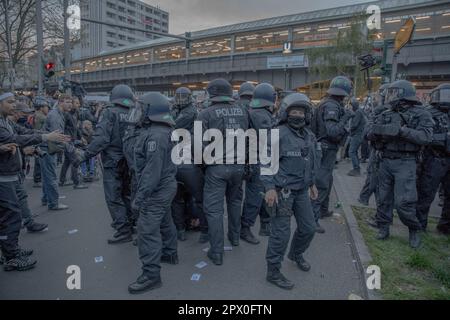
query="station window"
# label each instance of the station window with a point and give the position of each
(137, 57)
(267, 40)
(442, 23)
(114, 61)
(319, 35)
(211, 47)
(167, 53)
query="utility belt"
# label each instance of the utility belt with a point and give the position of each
(326, 145)
(398, 155)
(284, 207)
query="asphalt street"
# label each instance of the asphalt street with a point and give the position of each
(78, 236)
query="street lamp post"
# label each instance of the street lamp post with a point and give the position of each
(40, 44)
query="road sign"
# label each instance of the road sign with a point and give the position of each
(404, 35)
(281, 62)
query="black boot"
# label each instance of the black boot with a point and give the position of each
(234, 241)
(265, 230)
(300, 261)
(414, 239)
(383, 233)
(275, 277)
(247, 235)
(23, 253)
(354, 173)
(319, 228)
(216, 258)
(364, 202)
(121, 238)
(35, 227)
(145, 283)
(372, 221)
(170, 259)
(80, 186)
(326, 215)
(19, 263)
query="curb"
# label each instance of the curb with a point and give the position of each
(359, 247)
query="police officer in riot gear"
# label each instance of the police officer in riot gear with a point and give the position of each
(189, 176)
(107, 139)
(329, 126)
(157, 185)
(261, 117)
(288, 192)
(371, 184)
(402, 131)
(129, 141)
(357, 126)
(222, 179)
(435, 167)
(245, 93)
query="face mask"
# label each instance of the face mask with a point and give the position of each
(296, 122)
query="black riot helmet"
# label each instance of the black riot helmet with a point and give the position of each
(264, 96)
(246, 90)
(340, 86)
(355, 103)
(154, 107)
(40, 102)
(296, 100)
(382, 92)
(440, 96)
(183, 97)
(220, 90)
(122, 95)
(401, 92)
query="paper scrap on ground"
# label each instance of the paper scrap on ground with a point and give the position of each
(196, 277)
(353, 296)
(201, 264)
(98, 259)
(73, 231)
(205, 249)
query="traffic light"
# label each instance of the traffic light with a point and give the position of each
(49, 70)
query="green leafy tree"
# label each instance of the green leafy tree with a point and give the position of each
(340, 57)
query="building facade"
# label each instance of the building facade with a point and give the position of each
(253, 51)
(96, 38)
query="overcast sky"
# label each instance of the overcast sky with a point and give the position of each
(193, 15)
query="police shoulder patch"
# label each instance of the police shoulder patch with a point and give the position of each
(151, 146)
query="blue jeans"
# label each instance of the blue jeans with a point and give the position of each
(355, 143)
(50, 194)
(84, 167)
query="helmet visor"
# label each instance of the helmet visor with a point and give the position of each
(441, 96)
(394, 94)
(182, 99)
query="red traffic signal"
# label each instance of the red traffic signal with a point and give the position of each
(49, 66)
